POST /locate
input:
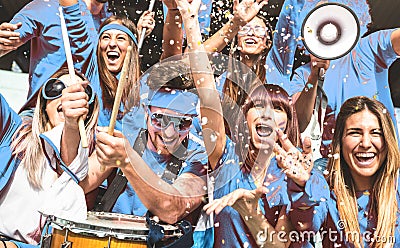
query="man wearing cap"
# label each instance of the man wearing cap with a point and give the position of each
(168, 178)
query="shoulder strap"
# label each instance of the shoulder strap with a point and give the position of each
(118, 184)
(174, 166)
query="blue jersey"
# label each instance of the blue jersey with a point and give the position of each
(323, 214)
(44, 31)
(195, 162)
(85, 49)
(10, 122)
(229, 229)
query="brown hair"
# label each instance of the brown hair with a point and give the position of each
(384, 191)
(236, 86)
(281, 99)
(108, 80)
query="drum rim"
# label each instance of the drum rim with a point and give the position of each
(93, 230)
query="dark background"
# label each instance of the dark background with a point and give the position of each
(384, 15)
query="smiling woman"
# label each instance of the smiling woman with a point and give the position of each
(116, 34)
(41, 159)
(363, 181)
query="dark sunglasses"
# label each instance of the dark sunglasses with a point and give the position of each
(53, 88)
(162, 121)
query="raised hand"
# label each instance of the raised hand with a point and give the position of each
(188, 8)
(74, 102)
(9, 39)
(171, 4)
(242, 200)
(296, 164)
(317, 64)
(246, 10)
(146, 21)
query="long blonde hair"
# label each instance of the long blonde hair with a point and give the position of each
(26, 144)
(384, 190)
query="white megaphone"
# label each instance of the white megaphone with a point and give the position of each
(330, 31)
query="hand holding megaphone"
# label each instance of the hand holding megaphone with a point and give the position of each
(318, 68)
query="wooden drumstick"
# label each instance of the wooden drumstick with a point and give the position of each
(118, 94)
(120, 89)
(71, 71)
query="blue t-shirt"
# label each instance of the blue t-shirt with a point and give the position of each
(195, 162)
(229, 229)
(323, 214)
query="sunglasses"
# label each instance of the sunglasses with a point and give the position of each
(53, 88)
(162, 121)
(257, 30)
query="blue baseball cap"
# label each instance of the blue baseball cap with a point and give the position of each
(181, 101)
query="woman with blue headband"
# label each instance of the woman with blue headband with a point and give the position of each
(105, 59)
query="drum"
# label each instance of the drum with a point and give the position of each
(101, 229)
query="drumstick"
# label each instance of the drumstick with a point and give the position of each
(120, 89)
(118, 95)
(142, 35)
(71, 71)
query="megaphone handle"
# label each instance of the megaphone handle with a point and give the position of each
(321, 76)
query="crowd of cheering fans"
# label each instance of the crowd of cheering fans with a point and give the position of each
(222, 138)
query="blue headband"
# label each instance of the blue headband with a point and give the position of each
(120, 28)
(181, 101)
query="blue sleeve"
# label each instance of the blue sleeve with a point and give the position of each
(29, 17)
(24, 245)
(10, 122)
(281, 57)
(83, 47)
(299, 80)
(377, 48)
(309, 204)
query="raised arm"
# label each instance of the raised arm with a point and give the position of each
(305, 100)
(172, 31)
(210, 103)
(243, 12)
(395, 38)
(170, 202)
(74, 104)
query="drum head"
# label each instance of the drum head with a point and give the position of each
(120, 226)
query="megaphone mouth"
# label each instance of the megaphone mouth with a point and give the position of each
(330, 31)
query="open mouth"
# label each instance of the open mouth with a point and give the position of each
(250, 41)
(365, 157)
(167, 141)
(113, 55)
(263, 130)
